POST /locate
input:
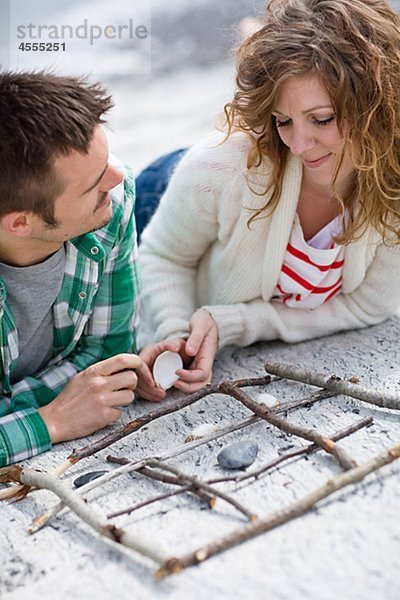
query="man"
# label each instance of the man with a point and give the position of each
(68, 282)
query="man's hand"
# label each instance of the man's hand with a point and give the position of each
(91, 399)
(197, 352)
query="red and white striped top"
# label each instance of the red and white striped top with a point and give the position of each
(311, 272)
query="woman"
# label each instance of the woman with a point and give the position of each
(286, 225)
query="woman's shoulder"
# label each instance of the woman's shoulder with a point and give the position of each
(217, 154)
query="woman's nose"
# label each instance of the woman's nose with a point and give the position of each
(301, 141)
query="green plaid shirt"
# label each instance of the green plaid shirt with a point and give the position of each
(94, 317)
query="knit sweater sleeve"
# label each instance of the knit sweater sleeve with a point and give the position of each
(183, 227)
(375, 299)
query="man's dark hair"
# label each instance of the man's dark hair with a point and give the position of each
(42, 117)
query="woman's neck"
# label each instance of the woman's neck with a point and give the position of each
(316, 208)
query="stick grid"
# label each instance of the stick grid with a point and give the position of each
(164, 474)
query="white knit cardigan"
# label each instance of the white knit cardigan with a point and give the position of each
(199, 251)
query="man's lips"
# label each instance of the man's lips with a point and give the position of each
(313, 164)
(104, 200)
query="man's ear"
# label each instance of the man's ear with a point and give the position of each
(17, 223)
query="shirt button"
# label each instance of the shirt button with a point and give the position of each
(82, 295)
(94, 250)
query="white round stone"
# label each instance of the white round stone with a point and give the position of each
(165, 367)
(268, 399)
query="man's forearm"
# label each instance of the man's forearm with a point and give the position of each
(22, 435)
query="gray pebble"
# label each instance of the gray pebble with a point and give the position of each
(238, 455)
(86, 477)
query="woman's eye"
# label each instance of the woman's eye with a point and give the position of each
(325, 121)
(282, 123)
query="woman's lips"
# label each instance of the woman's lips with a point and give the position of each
(313, 164)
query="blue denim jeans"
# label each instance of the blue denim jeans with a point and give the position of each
(150, 186)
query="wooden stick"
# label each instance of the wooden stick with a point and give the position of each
(335, 384)
(76, 503)
(308, 434)
(175, 565)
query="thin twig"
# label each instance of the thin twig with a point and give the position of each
(76, 503)
(308, 434)
(152, 474)
(175, 565)
(131, 509)
(335, 384)
(185, 478)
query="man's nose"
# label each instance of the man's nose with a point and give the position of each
(112, 177)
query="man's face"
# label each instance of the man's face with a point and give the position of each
(85, 204)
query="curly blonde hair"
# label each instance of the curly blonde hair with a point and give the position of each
(353, 46)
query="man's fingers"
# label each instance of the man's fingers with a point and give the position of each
(125, 380)
(114, 364)
(122, 398)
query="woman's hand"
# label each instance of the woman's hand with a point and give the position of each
(147, 387)
(200, 349)
(197, 352)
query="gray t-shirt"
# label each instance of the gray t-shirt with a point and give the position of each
(31, 293)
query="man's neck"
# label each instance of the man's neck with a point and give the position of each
(25, 253)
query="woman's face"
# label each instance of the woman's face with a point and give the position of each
(306, 123)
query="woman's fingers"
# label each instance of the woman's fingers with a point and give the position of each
(189, 388)
(146, 387)
(200, 325)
